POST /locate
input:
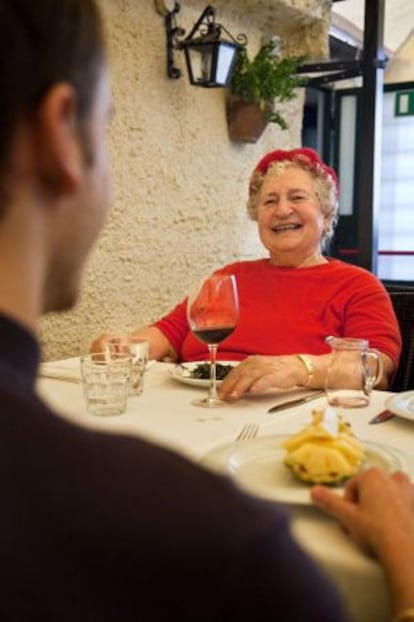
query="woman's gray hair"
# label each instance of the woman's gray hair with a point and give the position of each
(325, 189)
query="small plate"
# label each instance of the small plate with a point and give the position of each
(257, 467)
(402, 404)
(182, 373)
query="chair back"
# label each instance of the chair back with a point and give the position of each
(402, 298)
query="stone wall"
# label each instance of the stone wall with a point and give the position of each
(180, 184)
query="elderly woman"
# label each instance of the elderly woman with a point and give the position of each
(292, 300)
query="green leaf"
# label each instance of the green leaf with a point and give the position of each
(267, 78)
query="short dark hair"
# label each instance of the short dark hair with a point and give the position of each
(43, 42)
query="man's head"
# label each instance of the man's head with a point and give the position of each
(53, 108)
(43, 43)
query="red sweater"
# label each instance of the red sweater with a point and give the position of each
(291, 310)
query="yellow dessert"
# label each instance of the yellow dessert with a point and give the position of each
(325, 451)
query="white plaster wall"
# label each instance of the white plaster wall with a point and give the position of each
(179, 183)
(401, 66)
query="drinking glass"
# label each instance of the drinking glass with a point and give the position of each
(138, 349)
(212, 313)
(106, 382)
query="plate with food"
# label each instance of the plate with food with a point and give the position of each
(197, 373)
(402, 404)
(282, 468)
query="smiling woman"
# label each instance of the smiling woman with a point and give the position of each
(292, 237)
(311, 182)
(291, 301)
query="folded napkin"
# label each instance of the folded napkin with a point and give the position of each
(67, 372)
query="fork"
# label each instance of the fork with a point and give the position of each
(249, 430)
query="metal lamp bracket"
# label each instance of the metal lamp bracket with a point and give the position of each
(175, 35)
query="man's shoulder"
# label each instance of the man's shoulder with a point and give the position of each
(96, 464)
(123, 496)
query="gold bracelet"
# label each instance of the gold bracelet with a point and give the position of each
(405, 616)
(310, 367)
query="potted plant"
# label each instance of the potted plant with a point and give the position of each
(255, 87)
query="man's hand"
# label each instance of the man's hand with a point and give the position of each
(377, 510)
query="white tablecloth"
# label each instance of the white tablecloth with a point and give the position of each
(164, 414)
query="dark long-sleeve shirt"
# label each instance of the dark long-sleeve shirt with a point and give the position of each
(95, 527)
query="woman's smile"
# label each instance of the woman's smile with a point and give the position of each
(286, 227)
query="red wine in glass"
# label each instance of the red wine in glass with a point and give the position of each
(214, 335)
(212, 312)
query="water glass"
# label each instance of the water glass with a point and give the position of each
(138, 350)
(106, 381)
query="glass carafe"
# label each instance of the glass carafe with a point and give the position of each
(352, 373)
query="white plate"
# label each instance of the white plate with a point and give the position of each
(182, 373)
(257, 467)
(402, 404)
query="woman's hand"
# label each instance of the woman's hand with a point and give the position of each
(98, 345)
(258, 373)
(159, 346)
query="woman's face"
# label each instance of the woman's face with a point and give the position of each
(289, 217)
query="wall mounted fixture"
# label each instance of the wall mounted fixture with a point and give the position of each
(209, 56)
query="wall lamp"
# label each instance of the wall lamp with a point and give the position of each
(209, 56)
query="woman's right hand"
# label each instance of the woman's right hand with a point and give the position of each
(98, 345)
(159, 346)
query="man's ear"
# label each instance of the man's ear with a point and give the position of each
(58, 149)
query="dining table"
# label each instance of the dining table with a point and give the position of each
(164, 414)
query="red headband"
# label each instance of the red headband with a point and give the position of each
(305, 157)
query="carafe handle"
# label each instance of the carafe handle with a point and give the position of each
(371, 374)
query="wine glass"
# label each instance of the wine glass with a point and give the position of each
(212, 312)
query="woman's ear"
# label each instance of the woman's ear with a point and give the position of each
(58, 150)
(326, 222)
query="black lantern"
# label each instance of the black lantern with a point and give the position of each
(209, 56)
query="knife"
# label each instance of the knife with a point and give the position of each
(299, 400)
(382, 416)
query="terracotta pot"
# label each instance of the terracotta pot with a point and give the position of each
(246, 122)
